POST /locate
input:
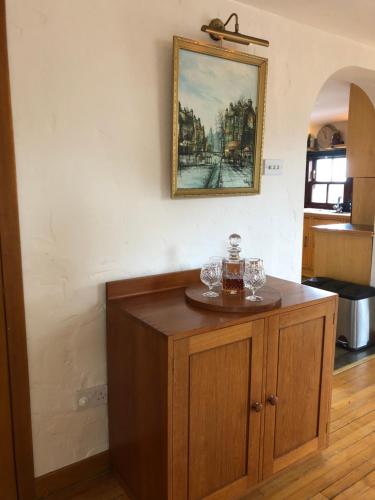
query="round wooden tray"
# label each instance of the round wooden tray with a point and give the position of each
(233, 303)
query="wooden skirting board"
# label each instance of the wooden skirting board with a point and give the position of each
(58, 480)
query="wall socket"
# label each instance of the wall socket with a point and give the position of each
(273, 167)
(92, 397)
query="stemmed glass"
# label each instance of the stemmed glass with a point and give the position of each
(211, 276)
(215, 259)
(254, 278)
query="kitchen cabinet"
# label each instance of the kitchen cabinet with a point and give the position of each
(363, 201)
(207, 404)
(361, 155)
(344, 252)
(307, 253)
(361, 129)
(315, 217)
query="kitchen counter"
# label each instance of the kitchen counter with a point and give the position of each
(326, 214)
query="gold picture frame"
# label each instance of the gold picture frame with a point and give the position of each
(223, 155)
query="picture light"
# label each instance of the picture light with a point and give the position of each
(216, 30)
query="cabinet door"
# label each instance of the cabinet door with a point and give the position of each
(307, 248)
(298, 387)
(361, 130)
(309, 241)
(217, 412)
(315, 222)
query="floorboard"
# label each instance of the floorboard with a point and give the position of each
(345, 470)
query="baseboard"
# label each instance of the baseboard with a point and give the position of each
(86, 469)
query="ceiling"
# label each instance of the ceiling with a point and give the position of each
(349, 18)
(332, 103)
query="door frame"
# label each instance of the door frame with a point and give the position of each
(7, 466)
(10, 255)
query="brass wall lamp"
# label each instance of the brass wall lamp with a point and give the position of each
(216, 30)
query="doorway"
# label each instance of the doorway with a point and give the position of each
(335, 223)
(16, 456)
(328, 189)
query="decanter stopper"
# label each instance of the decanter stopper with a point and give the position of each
(234, 246)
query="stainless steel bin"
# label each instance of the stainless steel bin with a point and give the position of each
(356, 316)
(356, 311)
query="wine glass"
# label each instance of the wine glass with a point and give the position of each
(211, 276)
(254, 277)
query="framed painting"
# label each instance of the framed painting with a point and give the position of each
(218, 117)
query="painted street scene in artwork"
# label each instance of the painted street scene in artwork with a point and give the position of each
(217, 173)
(217, 123)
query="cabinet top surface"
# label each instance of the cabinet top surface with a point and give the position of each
(326, 214)
(351, 229)
(166, 310)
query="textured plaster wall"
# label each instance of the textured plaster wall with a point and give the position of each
(91, 89)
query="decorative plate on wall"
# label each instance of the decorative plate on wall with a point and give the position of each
(325, 135)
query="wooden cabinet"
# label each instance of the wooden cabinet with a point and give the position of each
(361, 155)
(344, 252)
(363, 211)
(361, 129)
(205, 404)
(307, 253)
(313, 218)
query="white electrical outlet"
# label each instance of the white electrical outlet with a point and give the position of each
(91, 397)
(273, 167)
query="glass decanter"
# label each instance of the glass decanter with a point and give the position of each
(233, 267)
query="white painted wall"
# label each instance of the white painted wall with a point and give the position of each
(92, 117)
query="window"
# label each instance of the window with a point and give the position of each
(326, 179)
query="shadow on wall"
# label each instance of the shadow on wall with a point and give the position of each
(163, 57)
(364, 78)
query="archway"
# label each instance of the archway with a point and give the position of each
(342, 169)
(340, 82)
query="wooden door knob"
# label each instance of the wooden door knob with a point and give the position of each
(273, 400)
(257, 406)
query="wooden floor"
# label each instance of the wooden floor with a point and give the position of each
(345, 470)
